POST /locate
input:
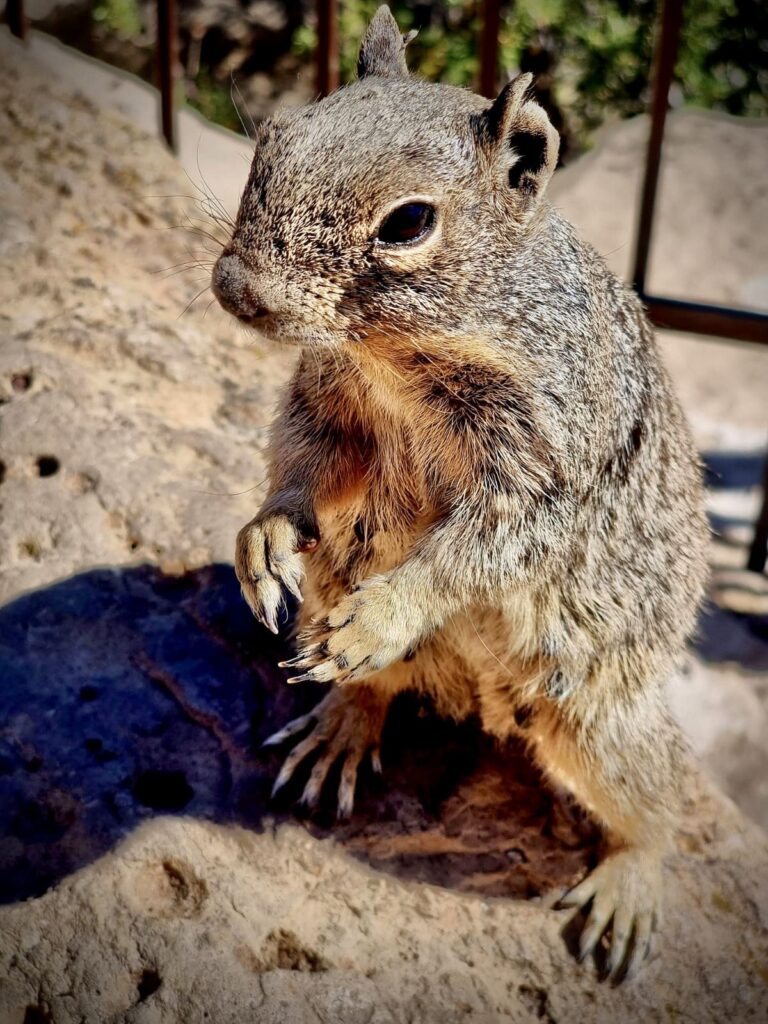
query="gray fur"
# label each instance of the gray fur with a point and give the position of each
(482, 437)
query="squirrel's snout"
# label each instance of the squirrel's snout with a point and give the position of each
(233, 285)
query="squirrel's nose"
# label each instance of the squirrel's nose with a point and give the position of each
(233, 285)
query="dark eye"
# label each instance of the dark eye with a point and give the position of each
(408, 223)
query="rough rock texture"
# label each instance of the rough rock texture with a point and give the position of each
(191, 921)
(136, 687)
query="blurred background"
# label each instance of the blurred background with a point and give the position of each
(592, 58)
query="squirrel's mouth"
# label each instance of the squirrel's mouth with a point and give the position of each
(285, 331)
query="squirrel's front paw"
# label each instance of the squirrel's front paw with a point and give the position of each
(267, 563)
(364, 633)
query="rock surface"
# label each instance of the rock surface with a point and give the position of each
(136, 688)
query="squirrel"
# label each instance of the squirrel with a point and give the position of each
(481, 482)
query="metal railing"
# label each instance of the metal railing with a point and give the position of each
(664, 311)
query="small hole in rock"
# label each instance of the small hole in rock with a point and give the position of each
(88, 693)
(34, 764)
(21, 381)
(149, 982)
(2, 471)
(93, 745)
(48, 465)
(38, 1015)
(163, 790)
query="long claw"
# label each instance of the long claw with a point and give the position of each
(308, 658)
(376, 760)
(347, 785)
(317, 778)
(621, 936)
(292, 585)
(282, 777)
(297, 725)
(579, 894)
(269, 619)
(641, 945)
(594, 929)
(306, 677)
(295, 758)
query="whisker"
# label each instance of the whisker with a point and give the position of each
(245, 108)
(192, 301)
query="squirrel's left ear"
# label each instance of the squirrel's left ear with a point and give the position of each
(520, 140)
(382, 51)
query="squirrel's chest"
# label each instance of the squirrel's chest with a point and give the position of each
(371, 524)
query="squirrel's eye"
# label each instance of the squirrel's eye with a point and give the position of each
(408, 223)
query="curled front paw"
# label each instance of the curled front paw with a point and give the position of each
(625, 896)
(267, 564)
(364, 633)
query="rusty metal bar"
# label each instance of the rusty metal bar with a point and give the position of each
(489, 48)
(327, 46)
(758, 552)
(698, 318)
(664, 67)
(16, 17)
(167, 60)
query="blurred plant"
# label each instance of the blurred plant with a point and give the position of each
(119, 16)
(592, 58)
(213, 100)
(598, 53)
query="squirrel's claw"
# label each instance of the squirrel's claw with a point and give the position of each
(625, 892)
(289, 730)
(347, 729)
(269, 567)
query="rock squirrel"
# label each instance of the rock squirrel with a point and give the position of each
(480, 471)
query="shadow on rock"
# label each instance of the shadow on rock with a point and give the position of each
(127, 693)
(727, 634)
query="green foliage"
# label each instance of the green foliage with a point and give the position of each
(214, 101)
(119, 16)
(724, 57)
(604, 50)
(596, 55)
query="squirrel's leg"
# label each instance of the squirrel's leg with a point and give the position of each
(347, 724)
(623, 758)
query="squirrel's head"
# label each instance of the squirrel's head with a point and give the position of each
(387, 209)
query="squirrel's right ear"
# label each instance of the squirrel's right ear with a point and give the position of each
(382, 51)
(520, 141)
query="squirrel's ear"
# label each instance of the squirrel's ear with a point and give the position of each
(520, 138)
(382, 51)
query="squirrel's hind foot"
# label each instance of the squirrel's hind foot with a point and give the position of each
(625, 896)
(348, 726)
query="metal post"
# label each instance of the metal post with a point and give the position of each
(167, 59)
(16, 17)
(327, 46)
(489, 48)
(758, 552)
(664, 67)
